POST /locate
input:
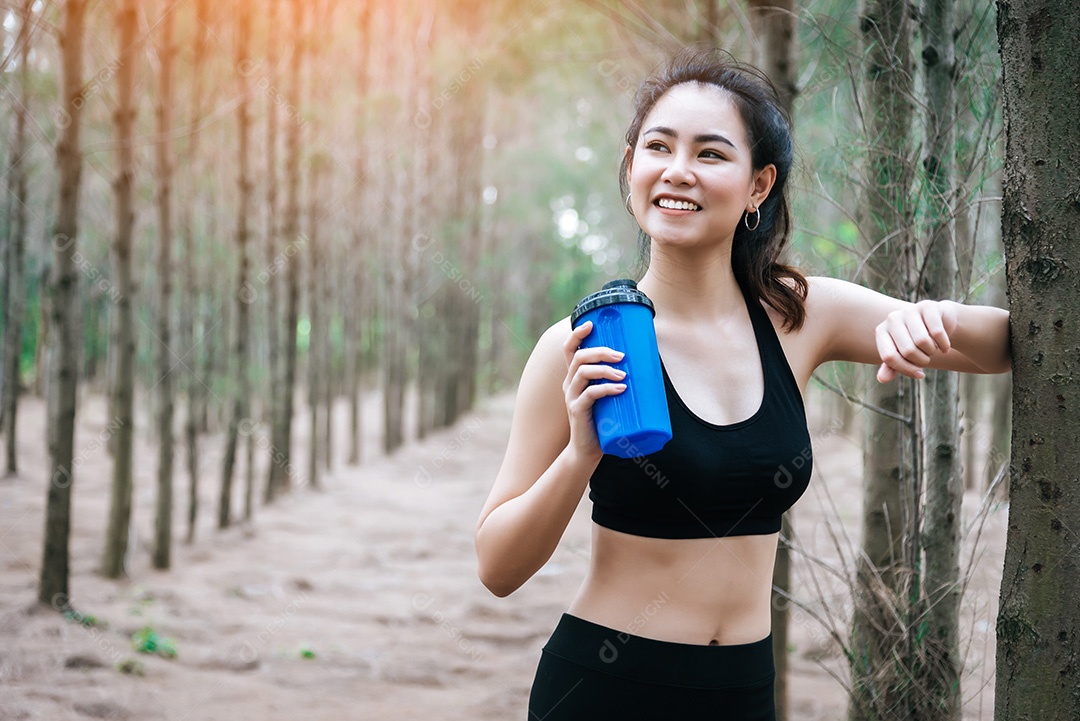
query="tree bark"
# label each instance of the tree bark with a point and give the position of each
(397, 324)
(356, 269)
(316, 333)
(116, 539)
(241, 399)
(940, 656)
(272, 287)
(163, 522)
(190, 303)
(880, 651)
(281, 447)
(1038, 624)
(63, 287)
(15, 251)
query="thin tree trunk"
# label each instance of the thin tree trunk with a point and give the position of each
(355, 318)
(14, 288)
(211, 328)
(43, 341)
(190, 302)
(1038, 624)
(330, 378)
(885, 570)
(249, 476)
(397, 323)
(163, 522)
(281, 446)
(188, 331)
(316, 334)
(64, 286)
(939, 684)
(241, 399)
(116, 539)
(272, 287)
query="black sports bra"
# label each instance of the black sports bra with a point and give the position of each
(715, 480)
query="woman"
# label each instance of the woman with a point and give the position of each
(673, 618)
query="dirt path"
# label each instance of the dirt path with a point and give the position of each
(373, 577)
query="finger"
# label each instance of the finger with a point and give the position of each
(887, 373)
(911, 339)
(585, 374)
(583, 403)
(892, 357)
(600, 357)
(573, 341)
(934, 320)
(599, 390)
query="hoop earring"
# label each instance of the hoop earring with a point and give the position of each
(746, 220)
(629, 208)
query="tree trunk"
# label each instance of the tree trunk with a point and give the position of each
(14, 288)
(397, 324)
(316, 333)
(361, 308)
(281, 446)
(241, 399)
(63, 286)
(939, 683)
(272, 287)
(188, 331)
(163, 522)
(881, 655)
(1038, 625)
(190, 308)
(116, 539)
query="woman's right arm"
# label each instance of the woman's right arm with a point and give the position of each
(549, 459)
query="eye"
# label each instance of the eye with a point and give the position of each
(655, 145)
(712, 155)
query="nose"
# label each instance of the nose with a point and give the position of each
(678, 170)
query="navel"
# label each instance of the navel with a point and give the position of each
(714, 642)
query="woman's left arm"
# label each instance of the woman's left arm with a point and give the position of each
(865, 326)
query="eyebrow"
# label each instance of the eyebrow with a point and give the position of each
(704, 138)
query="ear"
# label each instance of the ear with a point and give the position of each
(761, 184)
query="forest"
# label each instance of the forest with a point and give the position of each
(270, 271)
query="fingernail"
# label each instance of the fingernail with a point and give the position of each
(619, 354)
(620, 373)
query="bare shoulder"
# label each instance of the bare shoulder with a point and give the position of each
(806, 346)
(839, 314)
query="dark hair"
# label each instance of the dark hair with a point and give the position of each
(755, 253)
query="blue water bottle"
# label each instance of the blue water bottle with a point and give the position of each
(635, 422)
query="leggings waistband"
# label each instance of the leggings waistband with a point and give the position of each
(647, 659)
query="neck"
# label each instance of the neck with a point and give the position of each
(692, 287)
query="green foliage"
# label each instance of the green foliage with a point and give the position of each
(82, 619)
(147, 640)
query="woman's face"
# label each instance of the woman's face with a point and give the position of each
(691, 176)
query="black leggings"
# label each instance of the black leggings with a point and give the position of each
(589, 671)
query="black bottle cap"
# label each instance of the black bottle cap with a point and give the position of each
(622, 290)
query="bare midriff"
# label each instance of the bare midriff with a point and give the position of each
(709, 591)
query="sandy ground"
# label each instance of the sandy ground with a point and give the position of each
(374, 577)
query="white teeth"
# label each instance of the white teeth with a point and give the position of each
(677, 204)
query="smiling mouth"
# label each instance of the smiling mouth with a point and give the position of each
(670, 204)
